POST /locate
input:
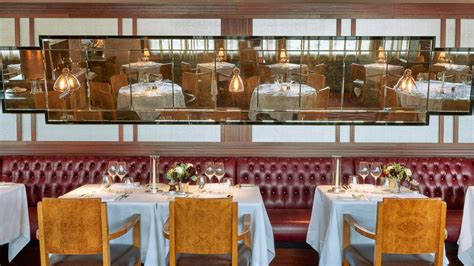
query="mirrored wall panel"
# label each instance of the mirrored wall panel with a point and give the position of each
(254, 80)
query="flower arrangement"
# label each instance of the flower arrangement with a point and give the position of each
(182, 172)
(398, 172)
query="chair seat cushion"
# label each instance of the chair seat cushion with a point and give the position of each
(453, 225)
(363, 255)
(244, 259)
(120, 255)
(289, 225)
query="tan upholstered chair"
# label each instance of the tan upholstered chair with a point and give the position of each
(407, 230)
(95, 88)
(358, 80)
(166, 70)
(316, 81)
(204, 232)
(118, 81)
(76, 232)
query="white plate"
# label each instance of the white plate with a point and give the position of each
(16, 90)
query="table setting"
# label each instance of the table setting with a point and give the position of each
(142, 68)
(454, 69)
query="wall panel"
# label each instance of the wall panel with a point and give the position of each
(188, 133)
(294, 27)
(466, 129)
(7, 31)
(294, 134)
(7, 126)
(178, 27)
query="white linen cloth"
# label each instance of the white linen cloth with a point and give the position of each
(14, 68)
(146, 100)
(154, 211)
(14, 219)
(141, 68)
(224, 68)
(466, 236)
(325, 227)
(419, 97)
(273, 100)
(287, 68)
(375, 71)
(454, 69)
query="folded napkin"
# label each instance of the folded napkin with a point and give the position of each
(362, 188)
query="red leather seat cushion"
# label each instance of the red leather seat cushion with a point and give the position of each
(453, 225)
(289, 225)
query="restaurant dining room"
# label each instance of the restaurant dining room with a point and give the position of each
(236, 132)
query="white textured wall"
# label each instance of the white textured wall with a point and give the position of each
(294, 134)
(7, 32)
(176, 27)
(294, 27)
(197, 133)
(7, 126)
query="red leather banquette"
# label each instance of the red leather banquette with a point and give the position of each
(287, 184)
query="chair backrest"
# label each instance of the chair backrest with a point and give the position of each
(203, 226)
(95, 87)
(317, 81)
(266, 74)
(40, 101)
(186, 67)
(320, 69)
(358, 72)
(106, 100)
(420, 59)
(410, 226)
(72, 226)
(118, 81)
(166, 70)
(387, 95)
(251, 84)
(189, 82)
(436, 69)
(417, 69)
(55, 102)
(322, 98)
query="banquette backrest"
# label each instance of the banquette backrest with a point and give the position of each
(288, 182)
(444, 177)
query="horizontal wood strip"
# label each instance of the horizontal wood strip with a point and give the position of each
(234, 149)
(260, 9)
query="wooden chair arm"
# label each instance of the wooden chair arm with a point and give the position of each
(246, 234)
(129, 224)
(166, 229)
(350, 221)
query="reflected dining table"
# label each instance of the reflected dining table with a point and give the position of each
(454, 69)
(14, 219)
(141, 68)
(154, 211)
(224, 68)
(277, 101)
(325, 227)
(149, 96)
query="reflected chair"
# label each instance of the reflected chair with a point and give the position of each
(319, 69)
(54, 100)
(387, 94)
(39, 100)
(95, 87)
(250, 85)
(204, 232)
(358, 81)
(166, 70)
(76, 232)
(199, 85)
(266, 75)
(407, 229)
(107, 103)
(118, 81)
(420, 59)
(321, 103)
(322, 98)
(99, 73)
(111, 69)
(88, 115)
(456, 105)
(417, 69)
(187, 67)
(316, 81)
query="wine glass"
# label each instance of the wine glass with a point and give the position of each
(376, 170)
(364, 170)
(220, 171)
(210, 170)
(112, 169)
(122, 170)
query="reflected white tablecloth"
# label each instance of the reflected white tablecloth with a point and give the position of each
(374, 72)
(14, 219)
(146, 101)
(418, 98)
(325, 227)
(14, 68)
(287, 68)
(466, 236)
(454, 69)
(221, 67)
(154, 210)
(268, 97)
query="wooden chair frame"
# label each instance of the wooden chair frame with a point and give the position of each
(133, 222)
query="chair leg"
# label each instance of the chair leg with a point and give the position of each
(345, 263)
(138, 263)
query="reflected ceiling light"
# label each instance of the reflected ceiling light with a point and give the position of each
(406, 83)
(442, 57)
(66, 82)
(381, 55)
(221, 55)
(236, 83)
(146, 54)
(283, 57)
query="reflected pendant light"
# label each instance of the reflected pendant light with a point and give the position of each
(381, 55)
(146, 54)
(221, 55)
(283, 57)
(406, 83)
(442, 57)
(236, 83)
(66, 82)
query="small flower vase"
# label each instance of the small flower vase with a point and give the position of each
(182, 187)
(172, 185)
(394, 185)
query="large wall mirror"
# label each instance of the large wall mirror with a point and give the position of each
(255, 80)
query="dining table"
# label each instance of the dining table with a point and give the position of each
(435, 92)
(14, 69)
(326, 222)
(154, 211)
(455, 70)
(279, 99)
(375, 71)
(286, 69)
(466, 235)
(147, 97)
(141, 68)
(224, 68)
(14, 219)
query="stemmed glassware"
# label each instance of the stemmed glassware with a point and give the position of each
(376, 170)
(122, 170)
(210, 170)
(220, 171)
(106, 182)
(201, 182)
(112, 169)
(364, 170)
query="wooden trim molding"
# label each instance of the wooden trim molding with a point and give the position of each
(442, 35)
(33, 127)
(353, 27)
(17, 32)
(19, 127)
(457, 42)
(31, 22)
(234, 149)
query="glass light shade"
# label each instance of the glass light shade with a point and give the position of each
(221, 53)
(146, 53)
(442, 57)
(66, 82)
(236, 83)
(381, 55)
(406, 83)
(283, 58)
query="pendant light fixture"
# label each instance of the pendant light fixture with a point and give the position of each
(66, 82)
(406, 83)
(236, 83)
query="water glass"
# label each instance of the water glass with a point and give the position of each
(201, 182)
(364, 170)
(106, 182)
(129, 185)
(376, 171)
(353, 180)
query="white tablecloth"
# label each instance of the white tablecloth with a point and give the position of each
(466, 236)
(267, 98)
(418, 98)
(143, 67)
(287, 68)
(221, 67)
(146, 101)
(14, 220)
(154, 210)
(14, 68)
(375, 70)
(325, 227)
(454, 69)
